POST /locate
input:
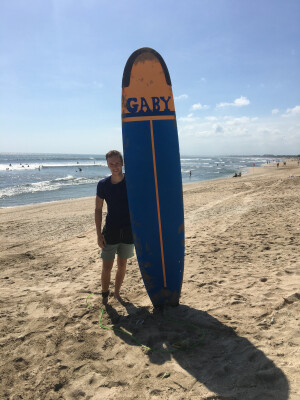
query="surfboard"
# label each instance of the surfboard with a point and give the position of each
(153, 174)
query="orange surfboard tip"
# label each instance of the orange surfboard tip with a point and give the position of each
(148, 54)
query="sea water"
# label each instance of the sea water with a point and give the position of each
(37, 178)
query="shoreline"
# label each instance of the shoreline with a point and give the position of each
(241, 287)
(249, 169)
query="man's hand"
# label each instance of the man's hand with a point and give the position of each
(101, 241)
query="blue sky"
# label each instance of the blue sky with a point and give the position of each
(234, 67)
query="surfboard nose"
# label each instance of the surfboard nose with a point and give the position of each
(146, 73)
(140, 56)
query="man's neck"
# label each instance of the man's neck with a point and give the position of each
(117, 178)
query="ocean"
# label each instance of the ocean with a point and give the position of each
(38, 178)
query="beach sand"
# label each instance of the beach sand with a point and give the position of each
(240, 292)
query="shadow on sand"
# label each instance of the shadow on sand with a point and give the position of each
(227, 364)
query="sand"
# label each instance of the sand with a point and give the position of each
(240, 290)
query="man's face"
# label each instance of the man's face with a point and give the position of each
(115, 164)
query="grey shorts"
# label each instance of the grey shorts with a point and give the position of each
(121, 249)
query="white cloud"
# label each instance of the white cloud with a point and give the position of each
(181, 97)
(244, 135)
(240, 102)
(239, 135)
(218, 129)
(268, 131)
(237, 121)
(291, 112)
(188, 118)
(275, 111)
(199, 106)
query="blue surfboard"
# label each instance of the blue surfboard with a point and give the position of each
(153, 174)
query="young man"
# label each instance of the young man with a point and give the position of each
(116, 236)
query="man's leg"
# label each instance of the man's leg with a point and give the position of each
(122, 262)
(105, 277)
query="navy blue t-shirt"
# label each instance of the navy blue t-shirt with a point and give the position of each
(115, 195)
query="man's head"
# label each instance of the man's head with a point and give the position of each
(113, 153)
(114, 162)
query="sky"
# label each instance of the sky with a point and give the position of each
(234, 67)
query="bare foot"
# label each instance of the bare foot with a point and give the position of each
(118, 297)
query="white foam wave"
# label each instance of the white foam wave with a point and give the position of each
(67, 178)
(45, 186)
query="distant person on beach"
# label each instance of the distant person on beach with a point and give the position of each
(190, 173)
(116, 236)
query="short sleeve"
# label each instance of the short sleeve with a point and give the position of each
(100, 190)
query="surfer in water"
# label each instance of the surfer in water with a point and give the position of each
(116, 235)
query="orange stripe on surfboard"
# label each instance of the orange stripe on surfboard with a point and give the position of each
(158, 207)
(148, 118)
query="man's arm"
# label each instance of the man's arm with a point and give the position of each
(98, 221)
